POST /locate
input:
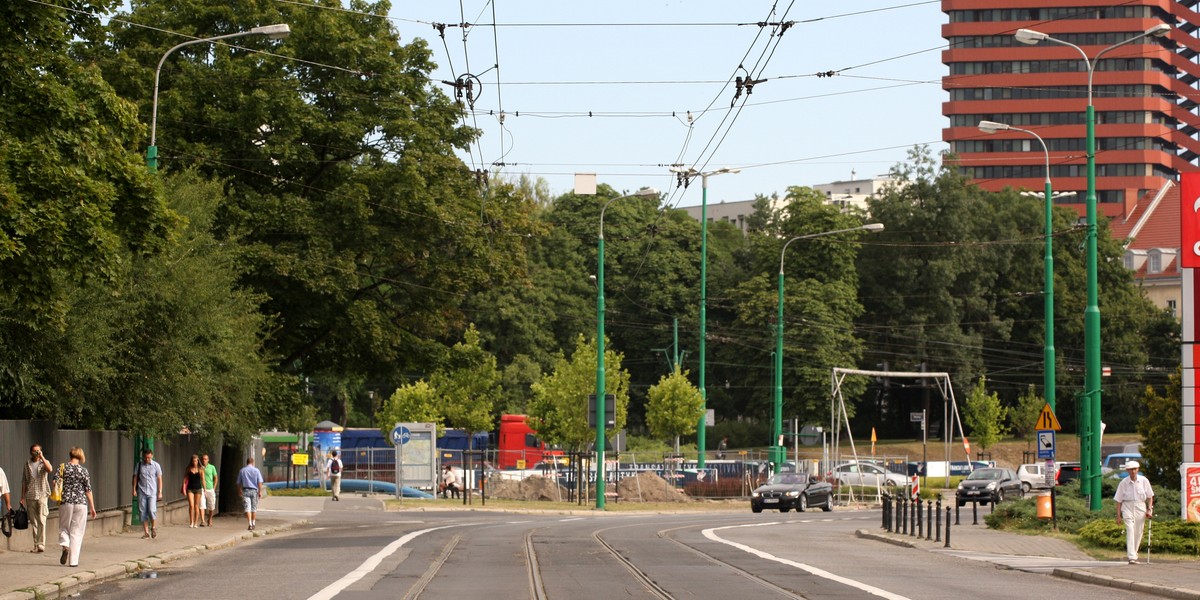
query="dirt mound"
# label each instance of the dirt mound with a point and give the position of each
(533, 487)
(649, 487)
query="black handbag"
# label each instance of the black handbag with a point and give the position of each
(6, 523)
(20, 518)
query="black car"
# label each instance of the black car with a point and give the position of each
(1066, 473)
(989, 485)
(786, 491)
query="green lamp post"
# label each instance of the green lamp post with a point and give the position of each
(777, 448)
(601, 437)
(701, 442)
(1048, 368)
(1090, 408)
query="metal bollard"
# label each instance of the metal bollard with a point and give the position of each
(912, 525)
(948, 526)
(904, 515)
(929, 521)
(957, 508)
(920, 521)
(896, 515)
(887, 502)
(938, 529)
(975, 513)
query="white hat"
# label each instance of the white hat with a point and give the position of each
(1133, 464)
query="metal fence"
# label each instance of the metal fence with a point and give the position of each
(110, 458)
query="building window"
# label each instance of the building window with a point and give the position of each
(1171, 307)
(1155, 261)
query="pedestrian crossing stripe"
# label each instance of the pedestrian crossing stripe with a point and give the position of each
(1047, 421)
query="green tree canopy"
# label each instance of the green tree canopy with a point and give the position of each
(559, 408)
(985, 416)
(674, 406)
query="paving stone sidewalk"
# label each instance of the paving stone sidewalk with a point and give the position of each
(25, 575)
(1169, 579)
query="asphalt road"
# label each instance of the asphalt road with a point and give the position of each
(355, 551)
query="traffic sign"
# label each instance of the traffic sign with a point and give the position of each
(300, 459)
(1045, 445)
(401, 435)
(1046, 420)
(916, 417)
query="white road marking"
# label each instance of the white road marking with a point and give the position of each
(369, 565)
(571, 519)
(290, 512)
(708, 533)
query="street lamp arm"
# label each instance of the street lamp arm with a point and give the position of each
(872, 227)
(642, 193)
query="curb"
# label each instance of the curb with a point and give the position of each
(1126, 584)
(82, 580)
(870, 535)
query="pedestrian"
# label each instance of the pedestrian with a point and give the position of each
(35, 494)
(208, 501)
(450, 484)
(76, 507)
(250, 482)
(193, 488)
(335, 474)
(721, 447)
(1135, 504)
(5, 500)
(147, 492)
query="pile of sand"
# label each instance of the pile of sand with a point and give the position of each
(649, 487)
(534, 487)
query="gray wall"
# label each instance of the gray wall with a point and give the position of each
(110, 458)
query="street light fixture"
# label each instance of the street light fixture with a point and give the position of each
(601, 437)
(275, 32)
(1090, 407)
(1048, 368)
(701, 433)
(777, 448)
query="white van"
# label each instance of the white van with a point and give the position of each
(1032, 476)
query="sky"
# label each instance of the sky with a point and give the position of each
(639, 67)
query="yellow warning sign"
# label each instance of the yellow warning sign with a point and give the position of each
(1047, 421)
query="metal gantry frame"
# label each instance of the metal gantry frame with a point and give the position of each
(839, 417)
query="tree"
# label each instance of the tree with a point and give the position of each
(1023, 416)
(559, 408)
(357, 221)
(1161, 428)
(410, 403)
(985, 416)
(74, 198)
(674, 407)
(469, 387)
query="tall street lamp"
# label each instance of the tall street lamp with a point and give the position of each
(601, 438)
(1047, 260)
(777, 447)
(701, 433)
(275, 32)
(1090, 407)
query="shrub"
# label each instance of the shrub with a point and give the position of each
(1173, 536)
(1072, 512)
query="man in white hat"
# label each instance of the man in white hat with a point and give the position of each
(1135, 504)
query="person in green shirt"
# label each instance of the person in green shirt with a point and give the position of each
(208, 501)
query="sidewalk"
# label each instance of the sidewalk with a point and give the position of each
(1040, 554)
(25, 576)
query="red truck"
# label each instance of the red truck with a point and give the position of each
(518, 446)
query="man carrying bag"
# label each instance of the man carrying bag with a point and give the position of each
(35, 494)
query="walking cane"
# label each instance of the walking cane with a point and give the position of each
(1149, 538)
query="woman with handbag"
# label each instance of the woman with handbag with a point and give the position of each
(77, 505)
(193, 488)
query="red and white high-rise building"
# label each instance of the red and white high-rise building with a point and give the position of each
(1145, 95)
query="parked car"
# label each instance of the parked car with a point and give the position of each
(1032, 476)
(866, 474)
(989, 485)
(786, 491)
(1114, 463)
(1067, 472)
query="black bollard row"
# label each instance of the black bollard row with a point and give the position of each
(957, 508)
(920, 521)
(904, 515)
(912, 525)
(948, 526)
(974, 513)
(887, 503)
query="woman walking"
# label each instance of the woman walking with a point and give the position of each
(193, 487)
(76, 507)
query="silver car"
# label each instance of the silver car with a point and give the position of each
(866, 474)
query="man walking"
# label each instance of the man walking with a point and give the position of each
(335, 474)
(147, 492)
(1135, 504)
(5, 499)
(35, 494)
(250, 482)
(208, 500)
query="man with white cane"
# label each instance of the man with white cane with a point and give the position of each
(1135, 504)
